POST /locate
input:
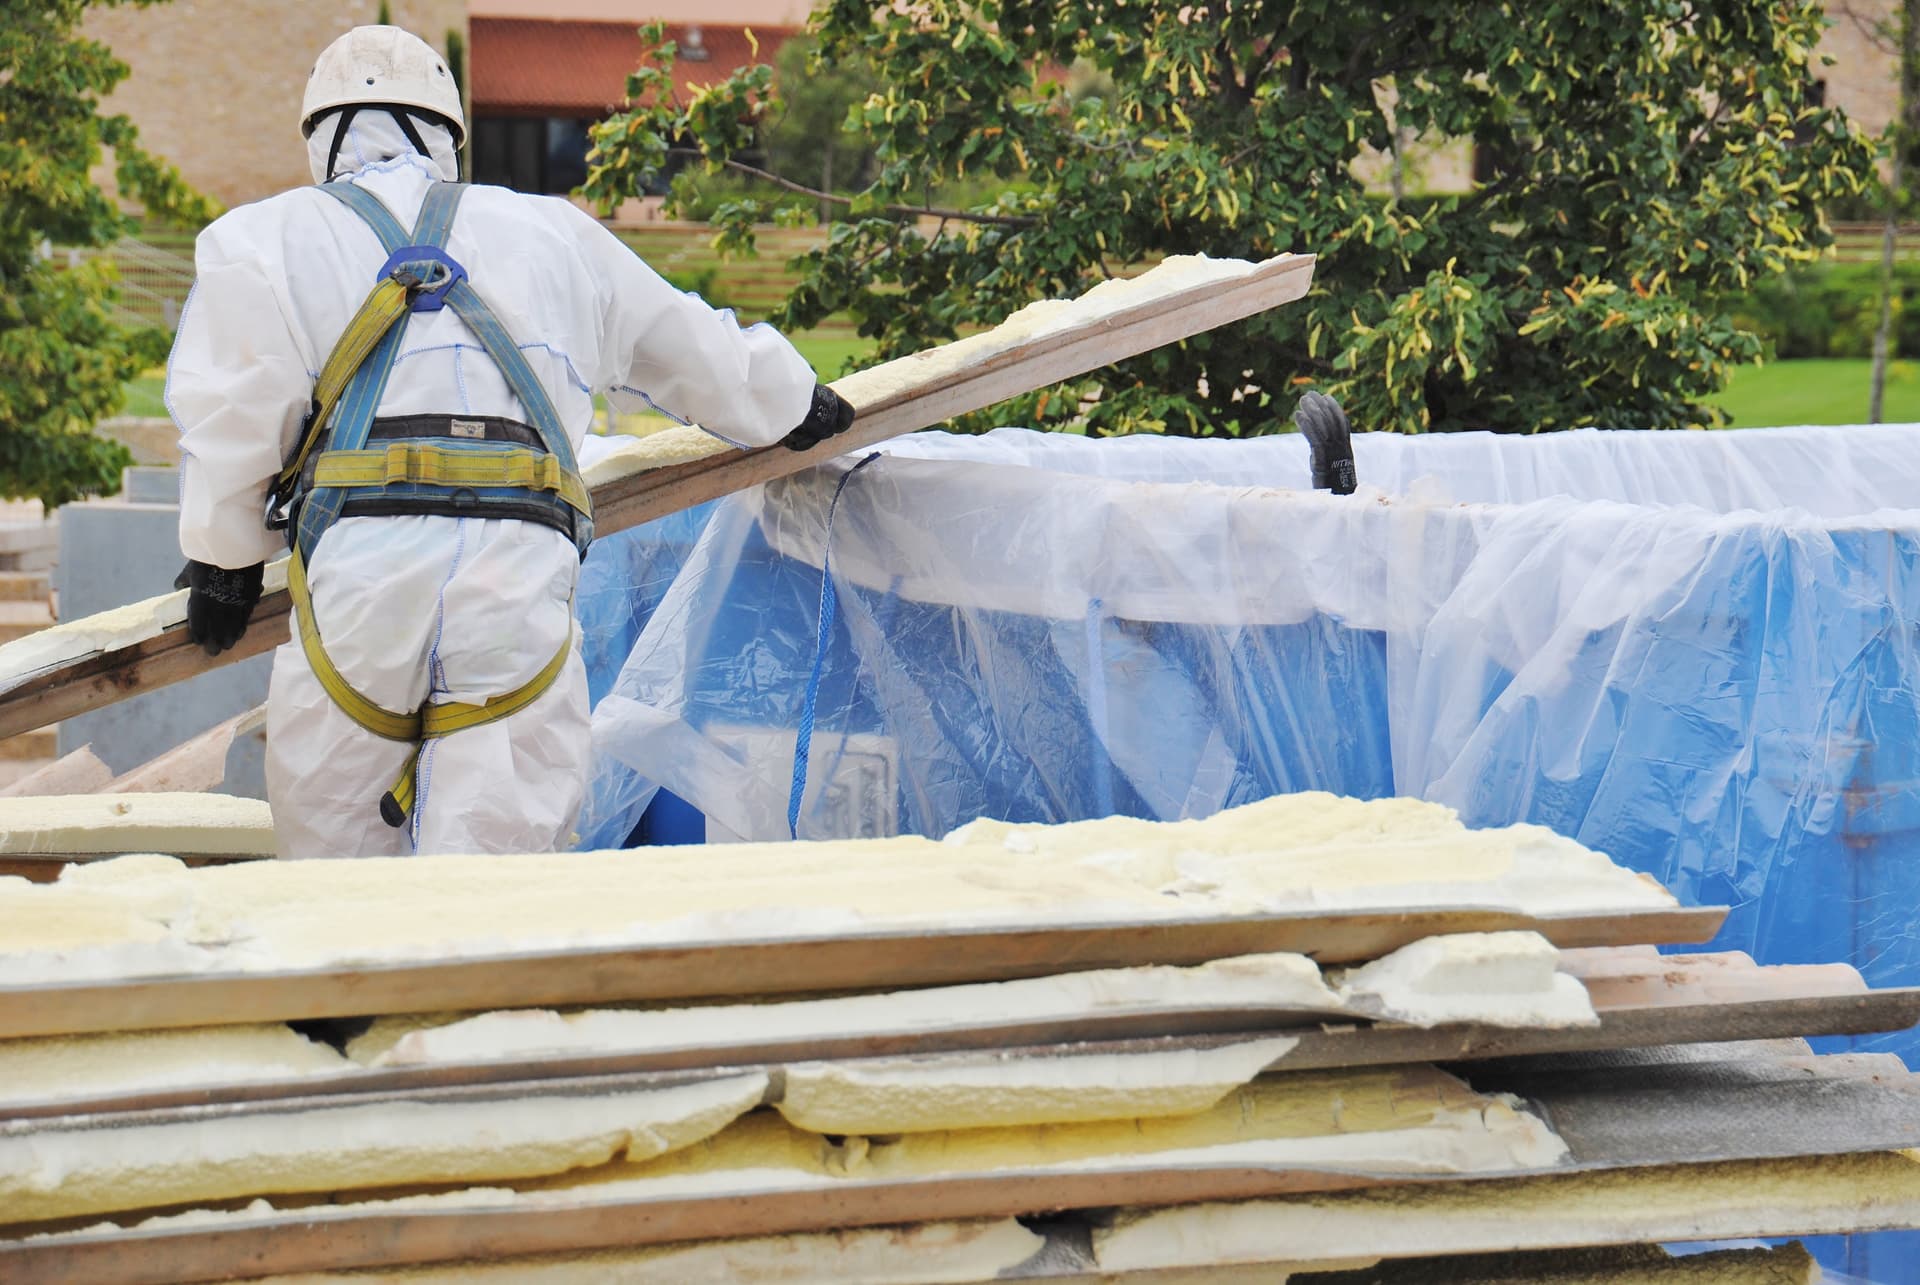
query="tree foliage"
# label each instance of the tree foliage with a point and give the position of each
(805, 138)
(63, 359)
(811, 139)
(1649, 158)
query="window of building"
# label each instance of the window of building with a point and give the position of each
(544, 155)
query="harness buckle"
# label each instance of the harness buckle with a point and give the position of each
(427, 272)
(277, 515)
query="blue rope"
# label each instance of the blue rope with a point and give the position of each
(829, 604)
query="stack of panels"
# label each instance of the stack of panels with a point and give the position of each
(1301, 1036)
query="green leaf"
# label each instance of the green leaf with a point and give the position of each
(64, 359)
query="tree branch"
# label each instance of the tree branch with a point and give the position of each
(1269, 57)
(801, 189)
(1705, 131)
(1230, 84)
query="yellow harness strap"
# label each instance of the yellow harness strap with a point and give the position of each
(447, 466)
(384, 305)
(429, 722)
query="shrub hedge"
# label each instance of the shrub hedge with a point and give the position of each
(1831, 309)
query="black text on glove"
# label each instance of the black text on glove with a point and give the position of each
(830, 414)
(219, 602)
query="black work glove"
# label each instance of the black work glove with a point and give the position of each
(219, 602)
(1325, 427)
(829, 415)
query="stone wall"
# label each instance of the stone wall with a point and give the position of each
(1862, 79)
(216, 84)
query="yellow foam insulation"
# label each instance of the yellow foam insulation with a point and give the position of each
(920, 1254)
(35, 1070)
(1298, 852)
(105, 631)
(1413, 1120)
(1502, 979)
(1800, 1196)
(49, 1172)
(998, 1091)
(870, 387)
(197, 824)
(1249, 983)
(1406, 1120)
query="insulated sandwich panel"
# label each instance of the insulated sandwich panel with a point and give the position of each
(1339, 879)
(1067, 1014)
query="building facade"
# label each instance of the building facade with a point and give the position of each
(538, 84)
(216, 84)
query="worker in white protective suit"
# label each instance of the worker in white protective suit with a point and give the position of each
(420, 598)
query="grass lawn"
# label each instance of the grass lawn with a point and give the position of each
(1823, 391)
(143, 396)
(827, 353)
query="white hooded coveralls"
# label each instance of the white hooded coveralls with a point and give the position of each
(425, 608)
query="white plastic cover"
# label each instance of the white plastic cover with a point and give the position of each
(1829, 471)
(1694, 651)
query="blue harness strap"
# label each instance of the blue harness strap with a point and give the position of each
(436, 281)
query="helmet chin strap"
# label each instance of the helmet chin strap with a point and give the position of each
(401, 117)
(339, 136)
(404, 119)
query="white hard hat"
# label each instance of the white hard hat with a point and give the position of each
(382, 67)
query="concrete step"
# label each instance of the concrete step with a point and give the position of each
(25, 586)
(41, 558)
(24, 536)
(18, 619)
(12, 770)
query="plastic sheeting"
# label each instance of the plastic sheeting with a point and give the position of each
(1026, 633)
(1694, 651)
(1831, 472)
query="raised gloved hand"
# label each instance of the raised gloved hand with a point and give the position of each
(829, 415)
(1325, 427)
(219, 602)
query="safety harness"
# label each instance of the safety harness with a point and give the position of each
(480, 468)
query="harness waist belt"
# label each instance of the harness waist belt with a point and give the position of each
(486, 428)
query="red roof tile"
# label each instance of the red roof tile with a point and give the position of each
(527, 65)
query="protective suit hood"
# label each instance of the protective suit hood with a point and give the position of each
(374, 136)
